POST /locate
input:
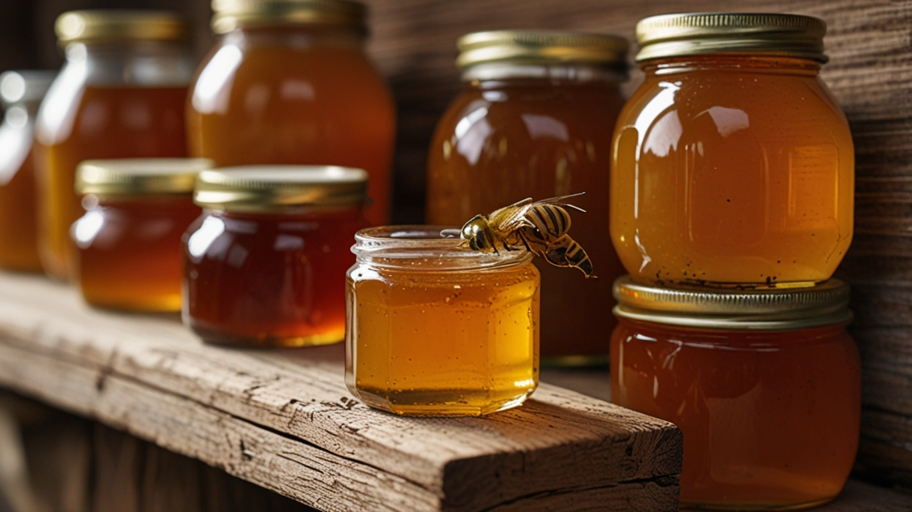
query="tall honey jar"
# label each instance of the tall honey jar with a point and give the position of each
(264, 266)
(733, 164)
(437, 329)
(765, 385)
(129, 240)
(288, 82)
(534, 119)
(120, 94)
(20, 93)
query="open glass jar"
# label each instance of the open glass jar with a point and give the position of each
(764, 384)
(733, 164)
(533, 119)
(129, 239)
(436, 329)
(265, 263)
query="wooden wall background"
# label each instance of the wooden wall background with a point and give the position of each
(870, 71)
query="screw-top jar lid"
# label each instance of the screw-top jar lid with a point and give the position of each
(542, 47)
(677, 35)
(232, 14)
(120, 25)
(25, 86)
(257, 188)
(136, 176)
(770, 309)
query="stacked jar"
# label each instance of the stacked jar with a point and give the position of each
(732, 189)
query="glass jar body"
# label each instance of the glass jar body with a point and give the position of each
(130, 252)
(269, 279)
(732, 170)
(430, 335)
(770, 419)
(18, 224)
(295, 95)
(111, 100)
(504, 140)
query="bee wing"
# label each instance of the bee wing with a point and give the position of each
(511, 217)
(560, 200)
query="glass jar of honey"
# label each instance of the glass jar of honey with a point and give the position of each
(733, 164)
(534, 120)
(437, 329)
(120, 95)
(289, 82)
(764, 384)
(265, 263)
(20, 93)
(129, 239)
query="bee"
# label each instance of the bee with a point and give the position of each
(538, 226)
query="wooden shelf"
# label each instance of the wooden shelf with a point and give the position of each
(284, 420)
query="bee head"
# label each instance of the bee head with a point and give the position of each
(477, 232)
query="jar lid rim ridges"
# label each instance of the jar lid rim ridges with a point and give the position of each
(542, 47)
(96, 25)
(758, 309)
(701, 33)
(129, 176)
(254, 188)
(229, 15)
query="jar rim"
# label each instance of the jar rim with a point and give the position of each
(392, 246)
(114, 25)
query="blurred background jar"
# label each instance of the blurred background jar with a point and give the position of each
(20, 93)
(534, 119)
(129, 239)
(733, 163)
(120, 94)
(289, 83)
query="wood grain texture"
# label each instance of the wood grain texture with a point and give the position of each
(285, 421)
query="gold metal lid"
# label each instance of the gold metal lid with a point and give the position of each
(770, 309)
(137, 176)
(677, 35)
(120, 25)
(257, 188)
(542, 47)
(232, 14)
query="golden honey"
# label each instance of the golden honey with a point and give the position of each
(435, 329)
(290, 83)
(733, 165)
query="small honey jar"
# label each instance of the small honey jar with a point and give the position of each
(438, 329)
(129, 240)
(764, 384)
(265, 264)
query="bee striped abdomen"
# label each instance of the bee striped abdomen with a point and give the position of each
(566, 252)
(549, 221)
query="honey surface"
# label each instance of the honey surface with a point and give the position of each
(130, 253)
(503, 142)
(769, 419)
(18, 226)
(732, 171)
(305, 105)
(443, 343)
(268, 279)
(106, 122)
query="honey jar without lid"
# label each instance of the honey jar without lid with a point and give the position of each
(764, 384)
(733, 164)
(129, 240)
(437, 329)
(265, 264)
(534, 119)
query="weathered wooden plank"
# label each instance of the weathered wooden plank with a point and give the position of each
(286, 422)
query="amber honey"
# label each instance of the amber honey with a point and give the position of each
(107, 122)
(529, 126)
(732, 168)
(265, 265)
(295, 95)
(437, 330)
(18, 226)
(770, 413)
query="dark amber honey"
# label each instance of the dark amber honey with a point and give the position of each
(106, 122)
(269, 279)
(18, 225)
